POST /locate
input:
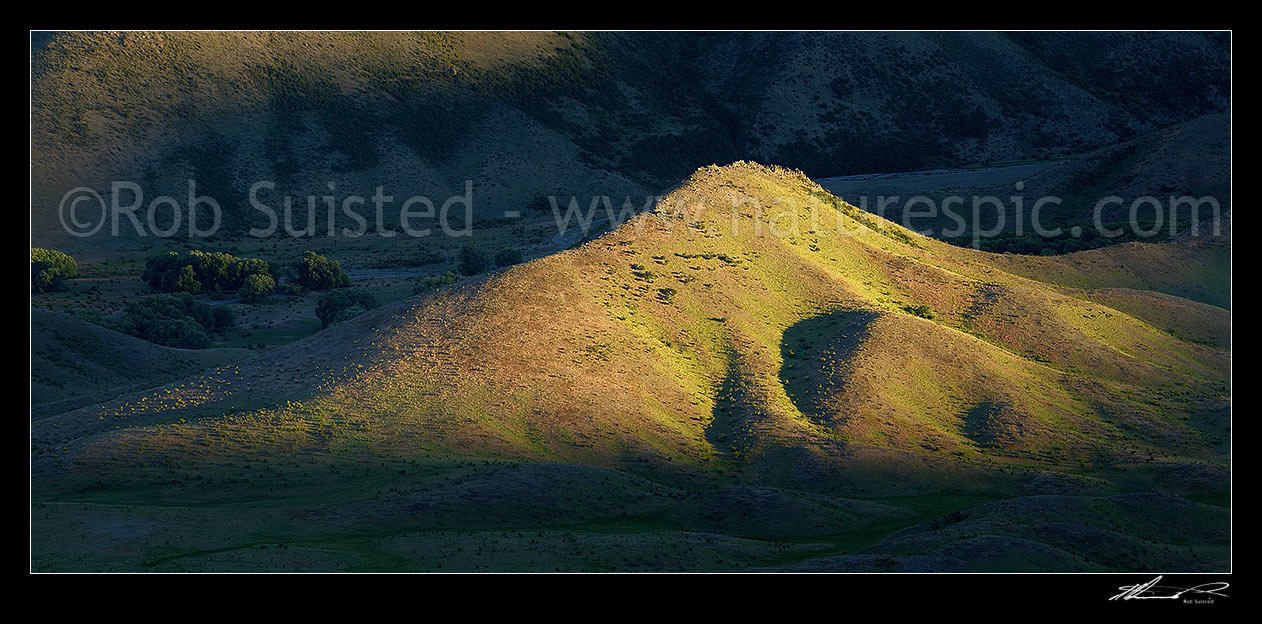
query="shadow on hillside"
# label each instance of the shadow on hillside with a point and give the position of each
(730, 407)
(815, 352)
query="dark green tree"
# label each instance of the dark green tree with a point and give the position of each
(316, 272)
(174, 320)
(200, 271)
(187, 281)
(50, 269)
(473, 261)
(507, 257)
(343, 304)
(256, 288)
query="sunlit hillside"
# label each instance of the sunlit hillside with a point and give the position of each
(752, 353)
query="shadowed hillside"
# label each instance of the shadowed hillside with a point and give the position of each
(842, 371)
(75, 363)
(529, 115)
(1190, 159)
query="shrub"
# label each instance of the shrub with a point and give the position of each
(290, 289)
(316, 272)
(200, 271)
(173, 320)
(178, 333)
(187, 281)
(923, 311)
(91, 315)
(507, 257)
(347, 314)
(223, 317)
(50, 269)
(427, 284)
(473, 261)
(342, 305)
(256, 288)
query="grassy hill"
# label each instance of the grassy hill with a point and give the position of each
(656, 397)
(75, 363)
(527, 115)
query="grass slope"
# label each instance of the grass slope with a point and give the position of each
(852, 378)
(74, 363)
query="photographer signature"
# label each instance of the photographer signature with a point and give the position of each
(1152, 591)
